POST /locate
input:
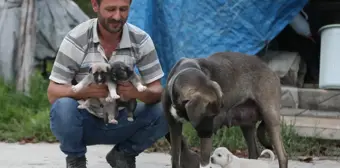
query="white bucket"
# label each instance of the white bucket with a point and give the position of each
(329, 77)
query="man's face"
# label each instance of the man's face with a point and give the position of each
(112, 14)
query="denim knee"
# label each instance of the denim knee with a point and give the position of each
(153, 114)
(64, 116)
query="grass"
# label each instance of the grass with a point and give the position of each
(25, 117)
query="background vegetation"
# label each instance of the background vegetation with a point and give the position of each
(25, 119)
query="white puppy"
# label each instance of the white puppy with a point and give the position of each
(223, 157)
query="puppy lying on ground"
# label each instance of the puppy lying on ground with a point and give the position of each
(104, 73)
(223, 157)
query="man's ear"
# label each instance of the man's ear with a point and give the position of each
(95, 5)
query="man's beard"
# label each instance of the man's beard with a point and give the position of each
(106, 23)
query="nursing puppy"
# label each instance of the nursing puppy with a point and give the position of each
(207, 92)
(223, 157)
(99, 74)
(120, 72)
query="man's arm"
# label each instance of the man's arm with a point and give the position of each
(151, 72)
(66, 64)
(152, 94)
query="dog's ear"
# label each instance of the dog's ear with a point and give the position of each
(108, 68)
(229, 158)
(218, 91)
(195, 108)
(90, 69)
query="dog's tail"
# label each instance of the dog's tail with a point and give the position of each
(272, 156)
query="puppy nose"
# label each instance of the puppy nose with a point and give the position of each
(212, 160)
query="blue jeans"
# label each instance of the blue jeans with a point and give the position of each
(77, 128)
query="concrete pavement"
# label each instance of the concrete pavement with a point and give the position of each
(48, 155)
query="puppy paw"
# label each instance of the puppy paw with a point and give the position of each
(113, 121)
(115, 96)
(76, 88)
(141, 88)
(130, 119)
(82, 106)
(109, 99)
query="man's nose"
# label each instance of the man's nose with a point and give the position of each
(116, 15)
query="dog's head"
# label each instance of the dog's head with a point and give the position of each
(221, 156)
(204, 105)
(99, 72)
(120, 71)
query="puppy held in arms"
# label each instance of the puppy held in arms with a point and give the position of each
(120, 72)
(98, 74)
(224, 158)
(103, 73)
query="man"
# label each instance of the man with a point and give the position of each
(105, 38)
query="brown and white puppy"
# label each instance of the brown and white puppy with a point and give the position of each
(224, 158)
(120, 72)
(99, 74)
(192, 94)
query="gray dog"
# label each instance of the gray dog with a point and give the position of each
(225, 88)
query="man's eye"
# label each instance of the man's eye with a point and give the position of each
(123, 9)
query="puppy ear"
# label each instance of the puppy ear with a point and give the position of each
(229, 158)
(218, 91)
(108, 69)
(90, 69)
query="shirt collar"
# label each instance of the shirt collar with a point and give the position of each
(125, 42)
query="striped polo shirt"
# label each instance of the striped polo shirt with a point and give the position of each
(81, 46)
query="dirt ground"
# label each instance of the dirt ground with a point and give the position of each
(48, 155)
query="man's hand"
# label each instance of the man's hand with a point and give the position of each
(127, 90)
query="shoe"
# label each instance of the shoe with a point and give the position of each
(75, 162)
(119, 159)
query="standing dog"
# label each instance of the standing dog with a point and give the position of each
(206, 91)
(224, 158)
(120, 72)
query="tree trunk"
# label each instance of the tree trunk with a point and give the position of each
(26, 46)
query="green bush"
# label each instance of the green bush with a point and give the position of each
(25, 117)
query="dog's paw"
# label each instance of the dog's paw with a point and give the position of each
(109, 99)
(115, 96)
(76, 88)
(141, 88)
(82, 106)
(130, 119)
(113, 121)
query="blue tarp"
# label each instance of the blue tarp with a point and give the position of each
(198, 28)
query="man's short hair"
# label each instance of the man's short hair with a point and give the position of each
(98, 1)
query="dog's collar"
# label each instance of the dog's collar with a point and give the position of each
(172, 80)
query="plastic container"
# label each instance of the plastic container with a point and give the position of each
(329, 77)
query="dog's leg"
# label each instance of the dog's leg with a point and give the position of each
(175, 130)
(88, 79)
(111, 112)
(113, 90)
(137, 82)
(130, 107)
(84, 104)
(206, 148)
(271, 116)
(261, 136)
(249, 136)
